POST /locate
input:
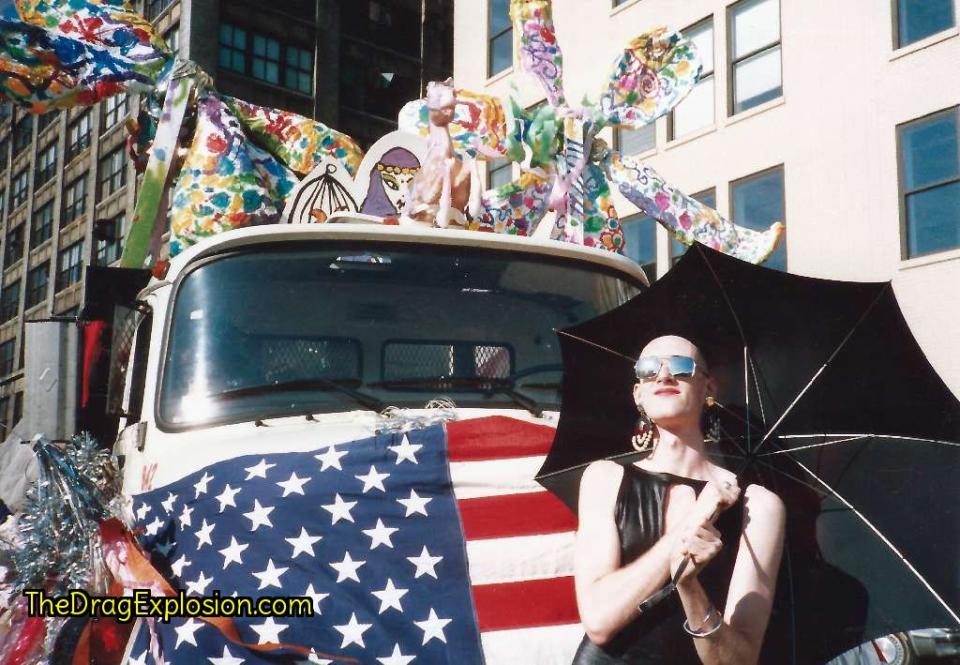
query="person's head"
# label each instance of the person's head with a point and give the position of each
(673, 400)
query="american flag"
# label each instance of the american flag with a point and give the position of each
(429, 546)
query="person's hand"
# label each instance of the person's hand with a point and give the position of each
(716, 497)
(689, 521)
(697, 540)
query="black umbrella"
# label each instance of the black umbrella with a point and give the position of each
(827, 400)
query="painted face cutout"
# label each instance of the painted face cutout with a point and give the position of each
(396, 186)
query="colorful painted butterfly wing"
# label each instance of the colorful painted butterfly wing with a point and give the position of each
(540, 53)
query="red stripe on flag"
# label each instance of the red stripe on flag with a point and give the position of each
(515, 515)
(526, 604)
(496, 437)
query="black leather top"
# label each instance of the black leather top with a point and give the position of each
(657, 637)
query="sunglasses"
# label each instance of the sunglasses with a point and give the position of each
(680, 367)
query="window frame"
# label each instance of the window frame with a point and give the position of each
(104, 248)
(77, 207)
(8, 361)
(493, 37)
(41, 230)
(902, 192)
(248, 55)
(639, 217)
(12, 245)
(83, 140)
(9, 310)
(22, 133)
(20, 195)
(112, 110)
(44, 170)
(493, 167)
(698, 196)
(895, 14)
(710, 76)
(73, 271)
(733, 62)
(5, 152)
(618, 139)
(115, 180)
(35, 293)
(754, 176)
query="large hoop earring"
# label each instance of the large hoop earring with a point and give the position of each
(643, 434)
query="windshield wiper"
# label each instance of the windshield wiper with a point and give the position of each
(489, 386)
(363, 399)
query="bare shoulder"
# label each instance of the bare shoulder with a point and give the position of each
(763, 505)
(601, 472)
(599, 486)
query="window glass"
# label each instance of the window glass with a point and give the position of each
(37, 280)
(74, 199)
(42, 224)
(13, 251)
(70, 265)
(500, 38)
(707, 197)
(756, 202)
(930, 182)
(755, 50)
(21, 186)
(499, 172)
(9, 301)
(917, 19)
(640, 233)
(7, 364)
(636, 141)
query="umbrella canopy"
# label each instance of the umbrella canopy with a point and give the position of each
(827, 400)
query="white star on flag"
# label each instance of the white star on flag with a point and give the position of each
(352, 631)
(270, 576)
(316, 596)
(406, 450)
(380, 535)
(258, 470)
(203, 534)
(200, 487)
(425, 563)
(390, 597)
(294, 485)
(199, 586)
(168, 502)
(303, 544)
(185, 632)
(373, 479)
(226, 659)
(178, 565)
(415, 504)
(347, 569)
(432, 627)
(139, 660)
(396, 658)
(268, 631)
(154, 527)
(146, 508)
(232, 553)
(331, 459)
(226, 497)
(259, 516)
(185, 516)
(340, 509)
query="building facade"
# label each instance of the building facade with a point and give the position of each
(351, 65)
(838, 118)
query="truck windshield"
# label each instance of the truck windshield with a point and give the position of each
(338, 326)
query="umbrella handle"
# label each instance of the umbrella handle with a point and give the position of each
(671, 586)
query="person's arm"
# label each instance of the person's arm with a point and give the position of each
(608, 594)
(752, 585)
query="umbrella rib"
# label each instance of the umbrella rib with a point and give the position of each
(883, 538)
(823, 367)
(814, 445)
(853, 437)
(594, 344)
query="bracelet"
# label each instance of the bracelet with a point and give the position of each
(699, 633)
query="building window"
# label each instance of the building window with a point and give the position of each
(499, 172)
(233, 48)
(3, 203)
(13, 251)
(4, 153)
(46, 167)
(70, 266)
(17, 407)
(74, 200)
(21, 186)
(696, 111)
(114, 110)
(640, 234)
(9, 301)
(499, 37)
(756, 202)
(22, 133)
(108, 248)
(266, 59)
(42, 224)
(112, 173)
(635, 141)
(299, 72)
(7, 357)
(44, 120)
(708, 197)
(917, 19)
(930, 182)
(4, 423)
(173, 39)
(755, 53)
(153, 8)
(78, 135)
(37, 280)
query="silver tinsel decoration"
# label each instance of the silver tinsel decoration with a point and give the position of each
(59, 539)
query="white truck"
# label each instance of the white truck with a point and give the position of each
(294, 339)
